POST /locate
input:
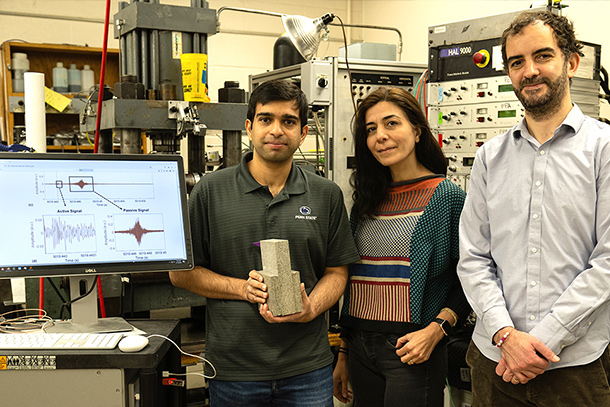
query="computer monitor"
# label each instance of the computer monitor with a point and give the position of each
(81, 215)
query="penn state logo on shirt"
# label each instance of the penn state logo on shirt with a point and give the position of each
(305, 213)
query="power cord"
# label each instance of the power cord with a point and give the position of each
(35, 322)
(67, 304)
(61, 297)
(449, 391)
(166, 373)
(349, 71)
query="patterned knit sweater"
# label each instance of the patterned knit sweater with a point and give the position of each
(408, 250)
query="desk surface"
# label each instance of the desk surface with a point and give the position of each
(149, 357)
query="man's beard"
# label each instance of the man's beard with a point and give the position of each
(542, 105)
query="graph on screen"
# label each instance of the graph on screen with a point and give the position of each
(90, 211)
(63, 234)
(146, 231)
(63, 187)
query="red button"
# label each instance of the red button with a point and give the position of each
(479, 58)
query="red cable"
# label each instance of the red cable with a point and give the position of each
(41, 295)
(97, 127)
(101, 296)
(102, 73)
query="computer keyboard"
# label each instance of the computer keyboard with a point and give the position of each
(57, 341)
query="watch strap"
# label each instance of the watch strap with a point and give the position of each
(444, 324)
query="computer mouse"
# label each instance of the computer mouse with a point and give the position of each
(133, 343)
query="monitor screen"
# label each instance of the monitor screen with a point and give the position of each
(88, 214)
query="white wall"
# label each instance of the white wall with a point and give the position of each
(233, 56)
(46, 30)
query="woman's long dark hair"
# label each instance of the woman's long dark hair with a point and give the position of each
(371, 180)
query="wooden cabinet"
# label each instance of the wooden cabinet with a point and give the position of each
(43, 58)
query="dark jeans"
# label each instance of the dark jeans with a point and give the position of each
(379, 378)
(576, 386)
(313, 389)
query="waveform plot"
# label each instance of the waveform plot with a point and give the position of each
(69, 234)
(139, 232)
(81, 184)
(103, 185)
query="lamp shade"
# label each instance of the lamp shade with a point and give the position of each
(305, 33)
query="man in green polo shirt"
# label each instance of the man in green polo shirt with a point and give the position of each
(261, 359)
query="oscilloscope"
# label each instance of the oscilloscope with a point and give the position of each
(89, 214)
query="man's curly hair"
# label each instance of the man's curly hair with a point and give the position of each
(563, 30)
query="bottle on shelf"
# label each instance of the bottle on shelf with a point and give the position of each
(20, 65)
(60, 78)
(87, 79)
(74, 81)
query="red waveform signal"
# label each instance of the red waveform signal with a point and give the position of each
(138, 231)
(81, 184)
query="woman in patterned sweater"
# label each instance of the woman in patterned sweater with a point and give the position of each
(403, 296)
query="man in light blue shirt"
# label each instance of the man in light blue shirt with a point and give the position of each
(535, 236)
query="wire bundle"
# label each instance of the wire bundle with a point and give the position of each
(420, 90)
(34, 322)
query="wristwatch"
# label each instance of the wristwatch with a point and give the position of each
(445, 325)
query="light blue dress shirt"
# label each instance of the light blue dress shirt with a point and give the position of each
(535, 239)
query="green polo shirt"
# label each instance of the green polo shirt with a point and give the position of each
(230, 211)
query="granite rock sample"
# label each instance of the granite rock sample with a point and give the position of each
(283, 284)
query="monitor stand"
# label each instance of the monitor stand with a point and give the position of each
(84, 312)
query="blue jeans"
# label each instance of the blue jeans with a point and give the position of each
(380, 379)
(313, 389)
